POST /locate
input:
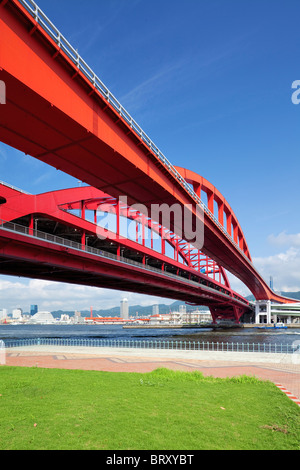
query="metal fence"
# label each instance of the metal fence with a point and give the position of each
(156, 344)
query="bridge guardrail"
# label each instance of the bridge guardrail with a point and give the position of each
(276, 348)
(34, 10)
(14, 187)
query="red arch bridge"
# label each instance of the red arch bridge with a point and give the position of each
(141, 224)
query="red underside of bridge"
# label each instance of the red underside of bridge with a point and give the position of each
(139, 268)
(54, 114)
(43, 260)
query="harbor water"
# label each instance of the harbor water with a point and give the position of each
(117, 332)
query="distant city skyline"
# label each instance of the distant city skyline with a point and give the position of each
(215, 86)
(54, 296)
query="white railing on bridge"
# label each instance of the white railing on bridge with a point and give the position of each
(14, 187)
(73, 55)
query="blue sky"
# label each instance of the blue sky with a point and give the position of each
(210, 82)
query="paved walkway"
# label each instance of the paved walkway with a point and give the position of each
(287, 375)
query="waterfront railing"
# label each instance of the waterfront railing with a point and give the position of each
(278, 348)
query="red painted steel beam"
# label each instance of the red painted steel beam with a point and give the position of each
(49, 205)
(215, 195)
(51, 115)
(31, 257)
(221, 249)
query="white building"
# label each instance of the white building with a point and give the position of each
(182, 308)
(3, 314)
(64, 318)
(45, 318)
(155, 310)
(124, 311)
(182, 317)
(17, 313)
(269, 312)
(77, 317)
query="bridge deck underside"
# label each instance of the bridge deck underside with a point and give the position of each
(38, 259)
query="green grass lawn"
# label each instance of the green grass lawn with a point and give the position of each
(163, 410)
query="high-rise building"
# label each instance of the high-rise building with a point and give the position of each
(124, 309)
(17, 313)
(3, 314)
(155, 310)
(33, 309)
(182, 308)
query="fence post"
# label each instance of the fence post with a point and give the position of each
(2, 353)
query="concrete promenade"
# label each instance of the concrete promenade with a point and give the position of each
(282, 369)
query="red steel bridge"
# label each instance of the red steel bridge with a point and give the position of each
(57, 110)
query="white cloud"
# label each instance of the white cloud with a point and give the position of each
(285, 239)
(52, 296)
(150, 87)
(3, 155)
(237, 285)
(283, 266)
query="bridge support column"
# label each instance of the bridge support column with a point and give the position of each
(197, 189)
(235, 231)
(31, 223)
(82, 210)
(210, 201)
(237, 314)
(213, 314)
(221, 213)
(229, 223)
(263, 309)
(118, 221)
(230, 313)
(83, 240)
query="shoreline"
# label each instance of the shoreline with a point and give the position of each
(261, 326)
